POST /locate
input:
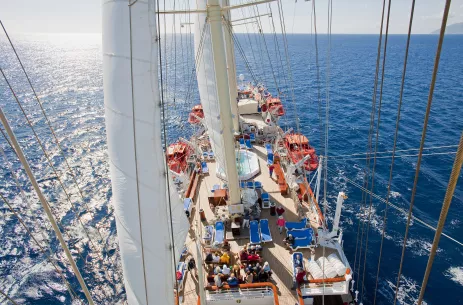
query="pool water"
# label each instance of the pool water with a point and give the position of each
(247, 165)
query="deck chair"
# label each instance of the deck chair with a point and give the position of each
(215, 187)
(254, 232)
(204, 168)
(257, 185)
(211, 155)
(265, 200)
(301, 243)
(304, 233)
(181, 269)
(269, 149)
(270, 159)
(242, 145)
(250, 184)
(243, 184)
(296, 225)
(293, 261)
(187, 206)
(265, 234)
(208, 234)
(219, 232)
(252, 137)
(248, 144)
(205, 155)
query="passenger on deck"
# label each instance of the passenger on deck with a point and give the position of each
(298, 261)
(232, 281)
(266, 267)
(225, 270)
(209, 258)
(216, 257)
(252, 250)
(244, 255)
(280, 210)
(258, 268)
(246, 218)
(226, 245)
(289, 241)
(300, 276)
(217, 270)
(263, 276)
(249, 268)
(281, 223)
(218, 280)
(225, 258)
(236, 269)
(249, 277)
(253, 258)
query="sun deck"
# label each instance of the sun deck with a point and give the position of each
(275, 252)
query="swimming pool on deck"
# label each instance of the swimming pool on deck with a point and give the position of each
(247, 164)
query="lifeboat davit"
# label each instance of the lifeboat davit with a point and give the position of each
(177, 156)
(196, 114)
(274, 106)
(298, 147)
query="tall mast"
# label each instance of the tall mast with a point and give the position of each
(231, 65)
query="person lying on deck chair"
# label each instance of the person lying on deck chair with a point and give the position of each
(232, 280)
(289, 241)
(298, 261)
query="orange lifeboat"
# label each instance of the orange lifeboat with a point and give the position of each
(298, 147)
(274, 106)
(196, 112)
(177, 156)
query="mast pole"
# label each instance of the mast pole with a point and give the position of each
(214, 13)
(45, 205)
(231, 66)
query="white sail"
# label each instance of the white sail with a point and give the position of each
(207, 84)
(137, 161)
(214, 90)
(180, 222)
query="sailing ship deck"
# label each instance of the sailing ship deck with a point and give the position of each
(275, 253)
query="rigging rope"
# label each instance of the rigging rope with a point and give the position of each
(390, 151)
(7, 297)
(376, 144)
(396, 135)
(49, 255)
(404, 212)
(443, 215)
(369, 147)
(423, 138)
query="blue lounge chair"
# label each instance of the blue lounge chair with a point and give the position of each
(205, 155)
(296, 225)
(208, 234)
(242, 145)
(242, 184)
(215, 187)
(204, 168)
(269, 149)
(293, 261)
(219, 232)
(250, 184)
(252, 137)
(265, 200)
(257, 185)
(301, 243)
(304, 233)
(248, 144)
(211, 155)
(265, 234)
(254, 232)
(181, 267)
(187, 206)
(270, 159)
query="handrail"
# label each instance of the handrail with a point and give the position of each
(299, 296)
(253, 285)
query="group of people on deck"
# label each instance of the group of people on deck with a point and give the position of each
(252, 274)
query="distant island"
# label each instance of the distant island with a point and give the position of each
(456, 28)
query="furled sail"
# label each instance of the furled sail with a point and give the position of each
(137, 163)
(207, 84)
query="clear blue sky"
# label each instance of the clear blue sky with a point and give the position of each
(349, 16)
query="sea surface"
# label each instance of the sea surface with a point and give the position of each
(66, 71)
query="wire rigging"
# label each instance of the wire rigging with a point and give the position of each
(422, 142)
(396, 135)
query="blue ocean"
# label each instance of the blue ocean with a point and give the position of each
(66, 71)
